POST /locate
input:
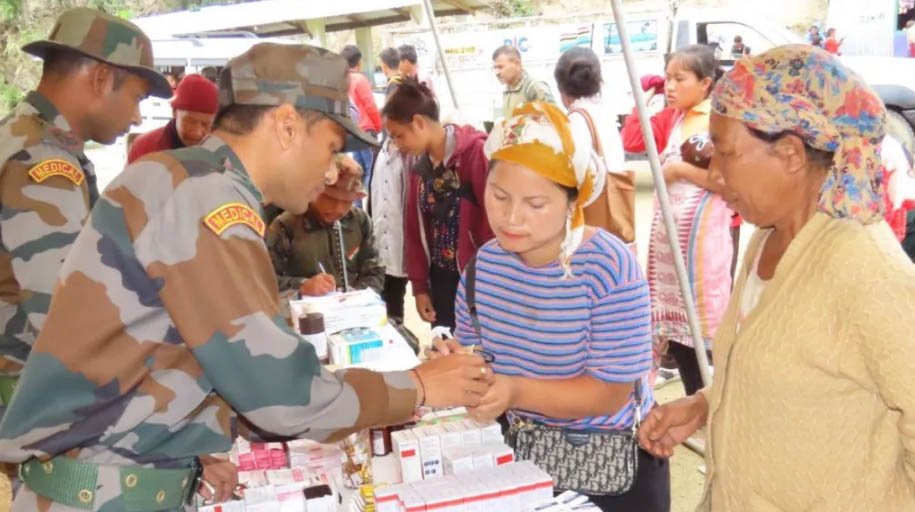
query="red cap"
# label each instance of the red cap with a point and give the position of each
(197, 94)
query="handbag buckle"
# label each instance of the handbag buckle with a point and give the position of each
(519, 424)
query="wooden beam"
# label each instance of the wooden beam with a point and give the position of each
(459, 4)
(450, 12)
(291, 31)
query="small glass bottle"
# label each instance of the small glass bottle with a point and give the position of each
(357, 461)
(381, 441)
(311, 327)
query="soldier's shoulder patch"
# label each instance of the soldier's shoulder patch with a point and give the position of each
(230, 214)
(56, 167)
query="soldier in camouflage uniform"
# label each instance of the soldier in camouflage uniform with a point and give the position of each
(330, 246)
(165, 323)
(97, 68)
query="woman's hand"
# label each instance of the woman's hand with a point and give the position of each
(443, 347)
(424, 307)
(496, 401)
(670, 424)
(220, 477)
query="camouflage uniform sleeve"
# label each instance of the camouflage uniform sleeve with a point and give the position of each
(279, 246)
(218, 287)
(44, 201)
(541, 92)
(371, 271)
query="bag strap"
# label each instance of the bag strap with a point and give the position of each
(470, 294)
(595, 140)
(637, 414)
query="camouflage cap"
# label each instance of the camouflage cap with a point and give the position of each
(305, 76)
(107, 38)
(348, 186)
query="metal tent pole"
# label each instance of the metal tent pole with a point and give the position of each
(441, 53)
(661, 187)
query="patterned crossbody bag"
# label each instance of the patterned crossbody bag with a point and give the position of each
(595, 462)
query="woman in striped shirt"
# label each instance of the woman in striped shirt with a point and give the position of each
(563, 307)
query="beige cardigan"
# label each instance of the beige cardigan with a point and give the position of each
(813, 402)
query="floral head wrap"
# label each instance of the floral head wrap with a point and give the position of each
(808, 92)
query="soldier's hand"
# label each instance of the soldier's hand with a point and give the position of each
(319, 285)
(424, 307)
(454, 380)
(220, 477)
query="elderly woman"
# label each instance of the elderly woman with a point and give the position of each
(813, 403)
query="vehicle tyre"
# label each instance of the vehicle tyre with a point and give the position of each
(901, 130)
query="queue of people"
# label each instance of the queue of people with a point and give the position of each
(520, 241)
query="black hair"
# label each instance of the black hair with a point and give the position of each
(390, 57)
(63, 62)
(211, 73)
(507, 50)
(577, 73)
(830, 32)
(411, 99)
(352, 54)
(819, 157)
(408, 53)
(571, 192)
(699, 60)
(738, 39)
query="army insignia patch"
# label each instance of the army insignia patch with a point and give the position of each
(56, 167)
(230, 214)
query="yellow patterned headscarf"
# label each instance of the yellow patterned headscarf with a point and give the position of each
(538, 136)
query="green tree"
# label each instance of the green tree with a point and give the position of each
(512, 8)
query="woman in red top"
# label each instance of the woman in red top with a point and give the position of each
(361, 96)
(833, 44)
(702, 217)
(445, 218)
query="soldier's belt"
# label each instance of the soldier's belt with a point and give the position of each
(72, 483)
(7, 388)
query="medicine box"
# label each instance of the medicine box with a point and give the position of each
(355, 346)
(406, 449)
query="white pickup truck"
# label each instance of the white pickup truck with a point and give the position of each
(653, 32)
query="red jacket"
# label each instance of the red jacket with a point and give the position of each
(662, 124)
(471, 166)
(360, 91)
(160, 139)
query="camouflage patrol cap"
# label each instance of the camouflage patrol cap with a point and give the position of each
(305, 76)
(106, 38)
